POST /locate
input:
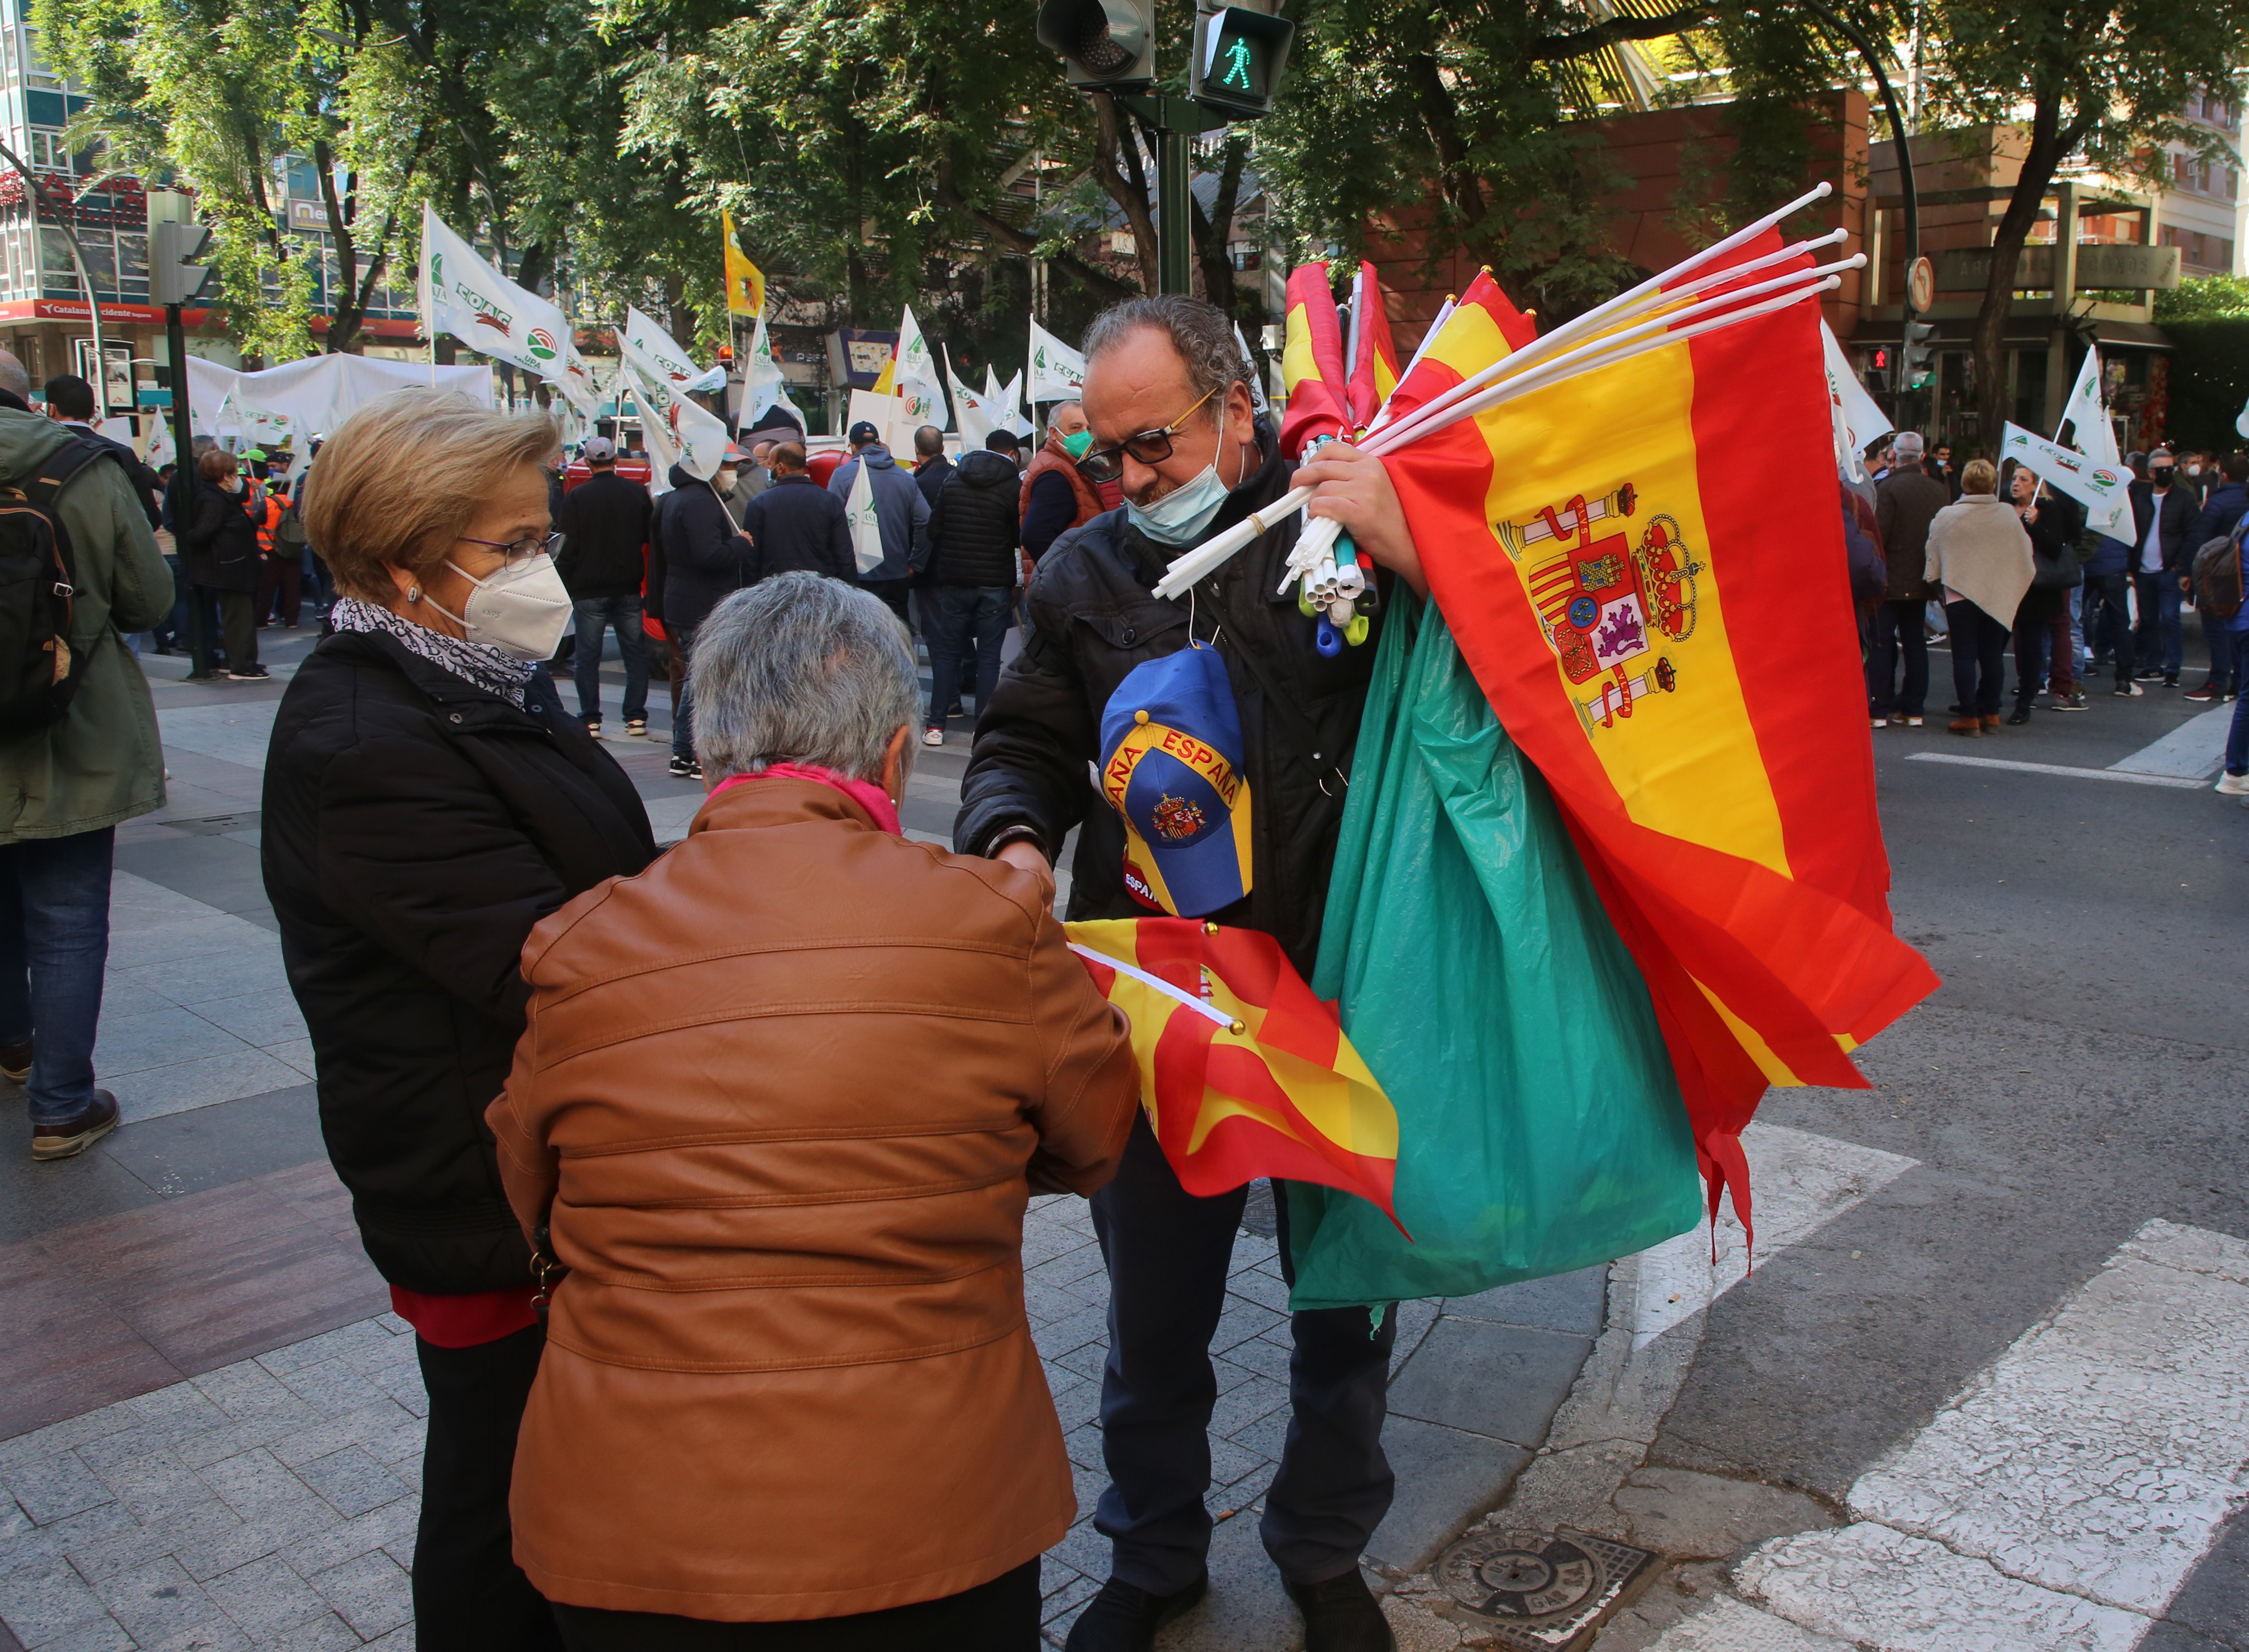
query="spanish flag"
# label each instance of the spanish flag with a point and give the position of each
(1374, 364)
(1243, 1072)
(745, 284)
(1644, 568)
(1313, 368)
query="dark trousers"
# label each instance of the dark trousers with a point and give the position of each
(469, 1595)
(173, 633)
(1979, 658)
(896, 594)
(957, 617)
(999, 1616)
(2157, 644)
(2237, 732)
(2041, 657)
(281, 575)
(203, 628)
(2218, 636)
(1898, 629)
(54, 942)
(621, 615)
(2109, 620)
(683, 708)
(1168, 1253)
(238, 622)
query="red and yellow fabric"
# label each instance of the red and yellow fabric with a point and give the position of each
(1644, 568)
(1374, 372)
(1313, 372)
(1262, 1083)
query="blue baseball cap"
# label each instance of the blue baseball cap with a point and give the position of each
(1171, 765)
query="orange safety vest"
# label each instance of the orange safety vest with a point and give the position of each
(272, 521)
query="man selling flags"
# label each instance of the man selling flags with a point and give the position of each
(1223, 735)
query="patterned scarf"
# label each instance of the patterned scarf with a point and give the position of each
(478, 664)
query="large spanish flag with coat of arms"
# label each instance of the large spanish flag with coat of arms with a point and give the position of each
(1643, 567)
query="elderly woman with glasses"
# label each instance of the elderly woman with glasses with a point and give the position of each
(428, 800)
(780, 1106)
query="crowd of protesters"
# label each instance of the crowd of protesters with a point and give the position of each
(1977, 556)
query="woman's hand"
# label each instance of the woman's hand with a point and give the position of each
(1352, 487)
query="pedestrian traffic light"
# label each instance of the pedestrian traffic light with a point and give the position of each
(1239, 56)
(1108, 45)
(172, 279)
(1919, 367)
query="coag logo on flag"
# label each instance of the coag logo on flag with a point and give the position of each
(485, 312)
(541, 344)
(437, 271)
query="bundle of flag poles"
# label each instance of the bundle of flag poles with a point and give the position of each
(1663, 310)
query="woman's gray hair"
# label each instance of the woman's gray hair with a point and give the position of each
(1202, 333)
(801, 669)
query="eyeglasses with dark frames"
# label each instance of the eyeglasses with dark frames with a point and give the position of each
(1150, 446)
(516, 553)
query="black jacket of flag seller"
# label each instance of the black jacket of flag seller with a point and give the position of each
(1092, 622)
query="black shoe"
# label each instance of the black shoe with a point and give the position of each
(74, 1135)
(1125, 1617)
(2020, 716)
(1341, 1615)
(2170, 679)
(248, 674)
(685, 769)
(956, 709)
(16, 1062)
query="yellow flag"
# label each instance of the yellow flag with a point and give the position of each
(745, 284)
(888, 384)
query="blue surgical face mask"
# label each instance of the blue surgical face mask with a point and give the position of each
(1181, 515)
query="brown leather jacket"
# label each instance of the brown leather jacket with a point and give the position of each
(781, 1099)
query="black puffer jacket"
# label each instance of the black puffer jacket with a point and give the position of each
(704, 554)
(416, 828)
(1093, 620)
(219, 550)
(604, 528)
(974, 529)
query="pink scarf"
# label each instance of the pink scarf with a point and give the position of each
(865, 794)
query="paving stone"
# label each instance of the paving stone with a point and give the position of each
(364, 1338)
(378, 1422)
(1491, 1380)
(42, 1601)
(49, 1488)
(1229, 1462)
(1083, 1446)
(352, 1482)
(1244, 1404)
(104, 1635)
(1446, 1479)
(335, 1387)
(24, 1546)
(1256, 1286)
(219, 1635)
(392, 1523)
(1086, 1362)
(259, 1488)
(1064, 1603)
(1241, 1319)
(372, 1593)
(326, 1632)
(112, 1553)
(152, 1484)
(156, 1600)
(266, 1597)
(247, 1389)
(1084, 1550)
(1571, 1302)
(1265, 1436)
(1263, 1355)
(1064, 1336)
(73, 1431)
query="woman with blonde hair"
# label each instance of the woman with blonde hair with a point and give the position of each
(1979, 552)
(428, 800)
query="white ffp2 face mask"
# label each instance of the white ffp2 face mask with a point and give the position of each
(521, 611)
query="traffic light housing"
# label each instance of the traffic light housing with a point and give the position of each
(172, 279)
(1106, 45)
(1238, 57)
(1919, 366)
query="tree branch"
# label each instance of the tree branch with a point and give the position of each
(1131, 198)
(1599, 36)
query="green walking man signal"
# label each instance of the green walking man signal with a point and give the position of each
(1239, 56)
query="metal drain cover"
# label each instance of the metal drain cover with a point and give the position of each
(1540, 1590)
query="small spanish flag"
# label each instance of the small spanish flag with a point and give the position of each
(1374, 364)
(1244, 1072)
(1312, 368)
(746, 283)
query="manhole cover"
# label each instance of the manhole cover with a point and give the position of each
(1539, 1589)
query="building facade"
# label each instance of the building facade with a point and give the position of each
(2201, 211)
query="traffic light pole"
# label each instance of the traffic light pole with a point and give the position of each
(1173, 121)
(182, 489)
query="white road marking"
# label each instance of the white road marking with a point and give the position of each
(2062, 1500)
(1965, 761)
(1798, 1183)
(2194, 750)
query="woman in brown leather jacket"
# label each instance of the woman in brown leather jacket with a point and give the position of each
(779, 1105)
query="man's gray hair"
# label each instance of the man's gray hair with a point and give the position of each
(801, 669)
(12, 376)
(1907, 446)
(1202, 333)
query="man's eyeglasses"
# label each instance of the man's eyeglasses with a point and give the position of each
(518, 553)
(1150, 446)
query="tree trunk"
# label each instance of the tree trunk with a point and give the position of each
(1441, 115)
(347, 309)
(1113, 141)
(2050, 142)
(1213, 231)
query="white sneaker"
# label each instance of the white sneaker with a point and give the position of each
(1882, 723)
(1911, 723)
(2232, 785)
(932, 736)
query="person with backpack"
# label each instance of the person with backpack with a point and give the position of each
(70, 403)
(220, 550)
(2222, 512)
(79, 748)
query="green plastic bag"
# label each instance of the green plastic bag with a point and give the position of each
(1540, 1128)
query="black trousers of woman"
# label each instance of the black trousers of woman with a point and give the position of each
(999, 1616)
(1979, 658)
(469, 1593)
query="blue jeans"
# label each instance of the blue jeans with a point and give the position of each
(2108, 621)
(2158, 636)
(1168, 1252)
(682, 720)
(1898, 629)
(54, 940)
(2217, 635)
(964, 611)
(621, 614)
(2236, 733)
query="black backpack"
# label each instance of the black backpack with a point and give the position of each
(39, 670)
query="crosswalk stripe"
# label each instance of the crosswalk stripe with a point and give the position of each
(1964, 760)
(1798, 1183)
(2069, 1490)
(2194, 750)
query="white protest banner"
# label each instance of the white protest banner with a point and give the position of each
(763, 386)
(464, 296)
(866, 524)
(1259, 404)
(1011, 404)
(2086, 419)
(1057, 372)
(2099, 487)
(1858, 419)
(699, 436)
(915, 377)
(892, 417)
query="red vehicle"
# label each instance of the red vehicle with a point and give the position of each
(630, 470)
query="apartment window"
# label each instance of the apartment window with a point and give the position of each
(2202, 177)
(2233, 184)
(2180, 171)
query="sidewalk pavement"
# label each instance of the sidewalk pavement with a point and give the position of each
(210, 1423)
